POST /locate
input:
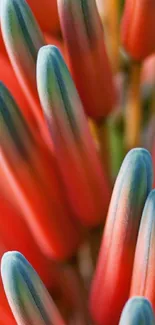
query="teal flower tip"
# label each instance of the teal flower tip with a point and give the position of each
(137, 152)
(149, 210)
(53, 78)
(138, 159)
(148, 222)
(151, 198)
(48, 55)
(14, 272)
(138, 310)
(28, 298)
(11, 255)
(20, 29)
(57, 92)
(46, 60)
(49, 50)
(10, 261)
(23, 287)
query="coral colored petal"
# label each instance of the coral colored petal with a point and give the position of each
(86, 184)
(111, 283)
(143, 277)
(84, 39)
(137, 28)
(29, 300)
(34, 180)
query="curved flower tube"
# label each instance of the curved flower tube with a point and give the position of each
(83, 34)
(143, 277)
(111, 283)
(34, 181)
(29, 300)
(23, 38)
(86, 185)
(137, 28)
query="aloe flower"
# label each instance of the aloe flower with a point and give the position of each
(54, 189)
(28, 298)
(35, 183)
(137, 28)
(137, 310)
(86, 184)
(23, 38)
(8, 77)
(84, 39)
(111, 283)
(143, 277)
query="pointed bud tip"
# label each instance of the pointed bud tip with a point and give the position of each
(46, 51)
(138, 151)
(9, 257)
(140, 155)
(137, 309)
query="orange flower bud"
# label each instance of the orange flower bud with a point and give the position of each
(23, 38)
(111, 284)
(137, 28)
(143, 277)
(87, 188)
(83, 34)
(34, 179)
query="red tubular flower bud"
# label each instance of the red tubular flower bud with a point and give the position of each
(27, 296)
(84, 39)
(111, 284)
(143, 277)
(35, 182)
(23, 38)
(137, 28)
(87, 188)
